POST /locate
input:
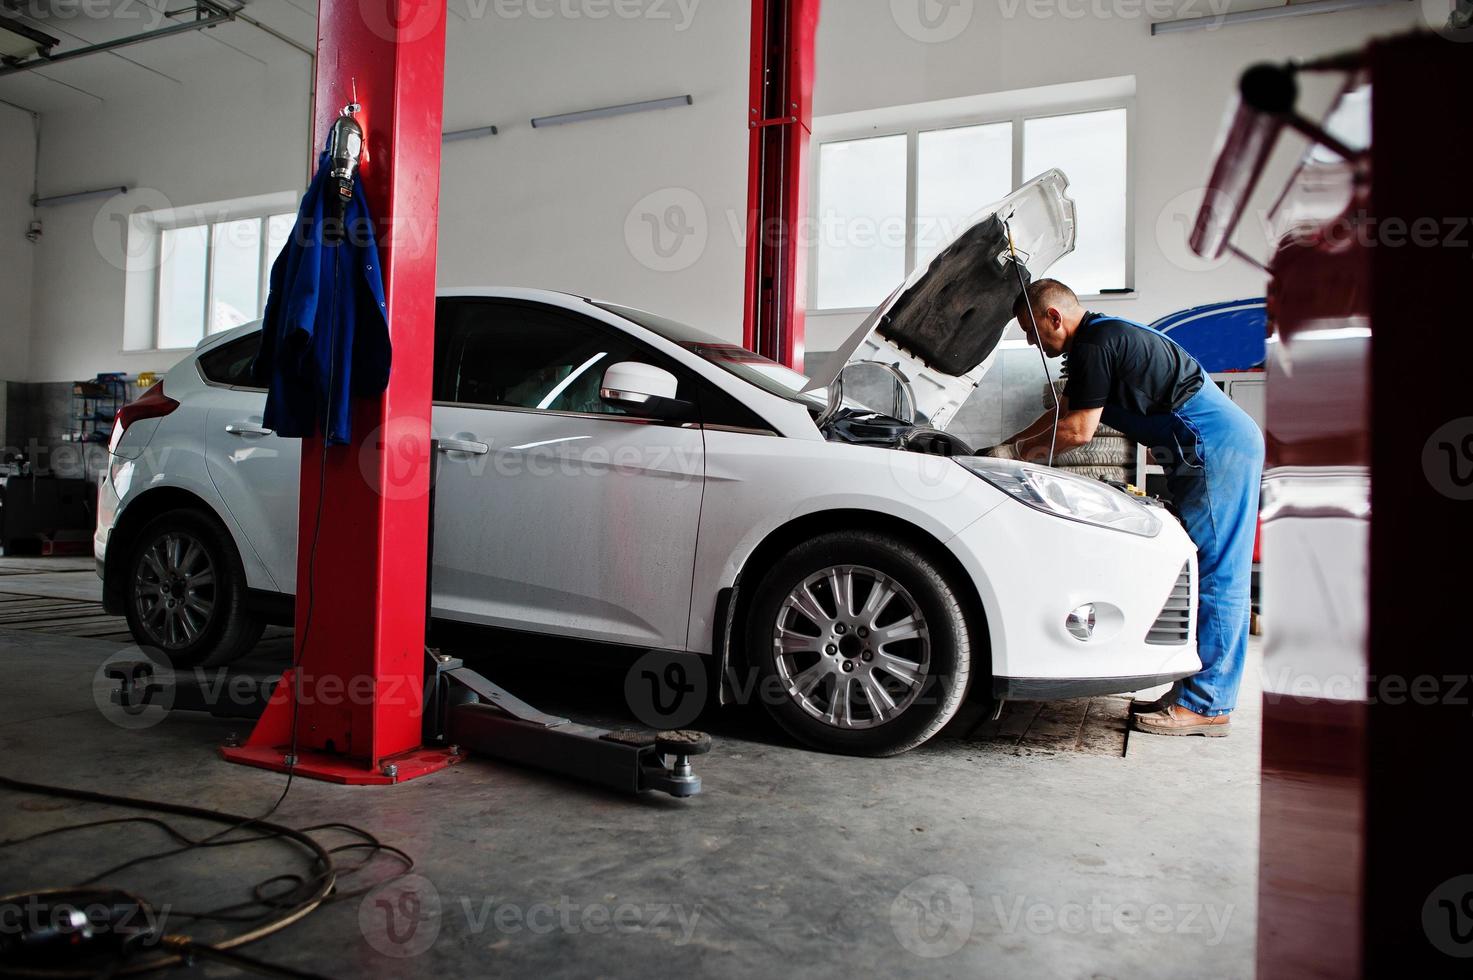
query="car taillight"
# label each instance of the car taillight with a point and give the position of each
(152, 404)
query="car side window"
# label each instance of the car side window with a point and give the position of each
(519, 355)
(230, 364)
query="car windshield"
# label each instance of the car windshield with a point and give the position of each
(768, 375)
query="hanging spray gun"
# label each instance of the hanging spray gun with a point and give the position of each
(344, 148)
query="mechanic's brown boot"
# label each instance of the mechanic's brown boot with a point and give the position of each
(1176, 720)
(1139, 707)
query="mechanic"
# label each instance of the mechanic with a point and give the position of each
(1141, 382)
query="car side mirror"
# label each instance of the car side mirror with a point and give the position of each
(644, 389)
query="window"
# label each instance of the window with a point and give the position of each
(924, 183)
(214, 276)
(230, 364)
(1090, 148)
(861, 219)
(520, 356)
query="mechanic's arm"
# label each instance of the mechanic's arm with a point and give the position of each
(1075, 429)
(1044, 423)
(1040, 425)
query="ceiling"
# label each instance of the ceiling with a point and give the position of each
(156, 69)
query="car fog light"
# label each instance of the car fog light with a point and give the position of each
(1081, 622)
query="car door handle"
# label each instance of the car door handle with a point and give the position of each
(247, 429)
(463, 446)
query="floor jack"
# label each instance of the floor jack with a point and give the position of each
(469, 713)
(464, 712)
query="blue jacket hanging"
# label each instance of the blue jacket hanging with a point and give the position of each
(325, 336)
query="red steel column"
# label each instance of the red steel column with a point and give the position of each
(780, 118)
(1418, 898)
(361, 656)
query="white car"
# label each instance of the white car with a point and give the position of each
(609, 475)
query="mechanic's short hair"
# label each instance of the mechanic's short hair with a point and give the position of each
(1043, 293)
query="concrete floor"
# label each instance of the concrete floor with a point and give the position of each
(966, 857)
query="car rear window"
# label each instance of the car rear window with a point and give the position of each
(230, 364)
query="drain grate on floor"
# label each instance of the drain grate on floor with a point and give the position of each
(1089, 726)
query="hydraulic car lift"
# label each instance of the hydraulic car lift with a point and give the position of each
(463, 711)
(365, 509)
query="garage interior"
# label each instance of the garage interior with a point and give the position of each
(768, 171)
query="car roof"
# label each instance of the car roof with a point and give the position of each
(551, 297)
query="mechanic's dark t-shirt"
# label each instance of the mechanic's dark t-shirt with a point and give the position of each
(1129, 367)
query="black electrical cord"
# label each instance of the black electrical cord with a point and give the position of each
(322, 879)
(1053, 441)
(299, 649)
(276, 910)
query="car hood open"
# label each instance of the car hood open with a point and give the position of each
(941, 327)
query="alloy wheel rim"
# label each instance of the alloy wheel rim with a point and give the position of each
(174, 590)
(852, 647)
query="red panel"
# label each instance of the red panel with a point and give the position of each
(1419, 725)
(780, 117)
(1363, 837)
(362, 655)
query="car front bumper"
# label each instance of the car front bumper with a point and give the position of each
(1032, 569)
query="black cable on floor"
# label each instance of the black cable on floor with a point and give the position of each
(278, 910)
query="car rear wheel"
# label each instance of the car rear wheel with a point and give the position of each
(186, 592)
(862, 643)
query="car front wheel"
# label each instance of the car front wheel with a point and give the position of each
(186, 592)
(862, 643)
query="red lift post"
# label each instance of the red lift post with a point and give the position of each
(781, 120)
(1364, 857)
(358, 683)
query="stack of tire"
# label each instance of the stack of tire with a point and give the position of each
(1106, 457)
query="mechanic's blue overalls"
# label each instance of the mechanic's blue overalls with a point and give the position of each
(1212, 452)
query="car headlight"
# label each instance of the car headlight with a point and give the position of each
(1066, 495)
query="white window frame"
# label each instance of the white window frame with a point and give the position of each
(145, 267)
(854, 128)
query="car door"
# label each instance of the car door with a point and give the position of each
(556, 512)
(255, 471)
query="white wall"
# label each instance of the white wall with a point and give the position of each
(238, 130)
(550, 207)
(571, 207)
(17, 173)
(1183, 83)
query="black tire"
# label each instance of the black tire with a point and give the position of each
(211, 626)
(1102, 451)
(943, 650)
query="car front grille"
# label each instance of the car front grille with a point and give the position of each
(1174, 625)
